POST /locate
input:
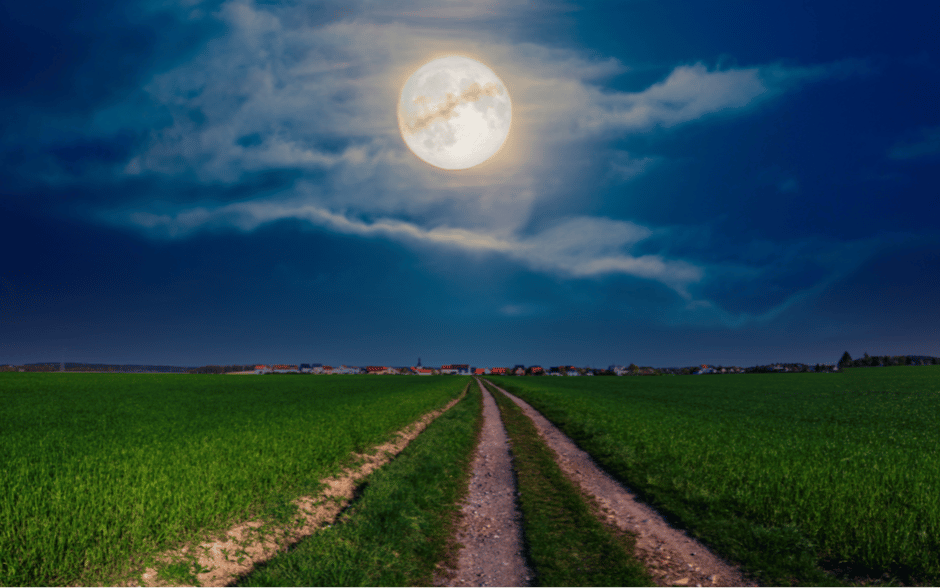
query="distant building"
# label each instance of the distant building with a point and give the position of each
(498, 371)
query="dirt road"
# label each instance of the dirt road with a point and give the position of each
(671, 555)
(491, 533)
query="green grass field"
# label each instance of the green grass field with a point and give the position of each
(795, 476)
(100, 470)
(403, 524)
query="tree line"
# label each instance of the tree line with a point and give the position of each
(885, 360)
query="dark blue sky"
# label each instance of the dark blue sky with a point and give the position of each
(224, 182)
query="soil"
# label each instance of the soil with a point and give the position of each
(491, 532)
(245, 545)
(672, 557)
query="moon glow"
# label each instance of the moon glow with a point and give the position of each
(454, 113)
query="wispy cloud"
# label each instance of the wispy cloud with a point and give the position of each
(772, 278)
(515, 310)
(281, 92)
(577, 247)
(691, 92)
(926, 145)
(624, 167)
(297, 88)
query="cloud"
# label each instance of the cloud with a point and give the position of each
(301, 88)
(280, 91)
(579, 247)
(691, 92)
(449, 10)
(315, 98)
(771, 278)
(927, 145)
(521, 309)
(624, 167)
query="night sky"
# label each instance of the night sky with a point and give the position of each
(724, 182)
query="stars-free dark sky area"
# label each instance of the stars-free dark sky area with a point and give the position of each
(221, 182)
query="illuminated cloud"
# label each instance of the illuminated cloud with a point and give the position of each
(579, 247)
(691, 92)
(278, 93)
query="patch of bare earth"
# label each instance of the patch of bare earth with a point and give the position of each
(491, 532)
(239, 549)
(671, 556)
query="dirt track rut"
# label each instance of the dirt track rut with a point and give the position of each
(671, 555)
(491, 534)
(243, 546)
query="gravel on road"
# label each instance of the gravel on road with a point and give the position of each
(671, 555)
(491, 532)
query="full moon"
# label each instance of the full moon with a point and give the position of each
(454, 113)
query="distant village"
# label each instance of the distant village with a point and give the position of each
(523, 370)
(466, 369)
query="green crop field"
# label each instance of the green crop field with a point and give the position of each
(402, 526)
(801, 478)
(100, 470)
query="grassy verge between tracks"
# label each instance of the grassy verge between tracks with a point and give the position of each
(400, 530)
(566, 543)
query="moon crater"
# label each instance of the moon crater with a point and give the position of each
(454, 113)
